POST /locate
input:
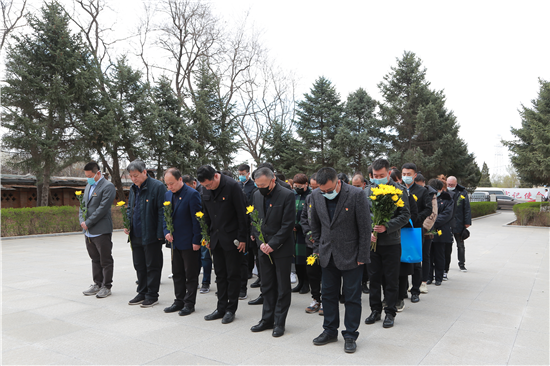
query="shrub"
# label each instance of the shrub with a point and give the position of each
(46, 220)
(482, 208)
(532, 213)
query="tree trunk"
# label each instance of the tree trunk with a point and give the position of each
(45, 194)
(38, 193)
(117, 180)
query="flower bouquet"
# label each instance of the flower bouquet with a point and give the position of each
(257, 222)
(83, 208)
(204, 230)
(125, 219)
(385, 200)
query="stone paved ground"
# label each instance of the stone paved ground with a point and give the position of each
(496, 313)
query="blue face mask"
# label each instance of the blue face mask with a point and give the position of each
(242, 178)
(330, 196)
(438, 193)
(371, 180)
(407, 180)
(381, 181)
(91, 181)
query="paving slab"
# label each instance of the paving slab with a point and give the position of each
(496, 313)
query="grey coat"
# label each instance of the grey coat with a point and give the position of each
(347, 236)
(98, 216)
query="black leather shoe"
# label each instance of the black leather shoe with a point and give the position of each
(186, 311)
(278, 331)
(438, 283)
(213, 316)
(256, 283)
(374, 316)
(429, 282)
(324, 338)
(415, 298)
(365, 288)
(304, 289)
(257, 301)
(173, 308)
(228, 317)
(388, 322)
(350, 346)
(261, 326)
(298, 287)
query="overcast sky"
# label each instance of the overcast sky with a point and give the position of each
(486, 55)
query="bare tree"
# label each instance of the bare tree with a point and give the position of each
(11, 18)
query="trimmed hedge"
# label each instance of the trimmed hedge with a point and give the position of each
(530, 214)
(46, 220)
(482, 208)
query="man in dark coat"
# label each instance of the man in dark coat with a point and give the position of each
(424, 204)
(463, 220)
(146, 214)
(386, 259)
(185, 240)
(340, 225)
(276, 210)
(224, 210)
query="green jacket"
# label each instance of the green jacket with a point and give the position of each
(152, 210)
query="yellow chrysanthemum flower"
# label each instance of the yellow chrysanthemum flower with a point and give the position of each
(373, 198)
(199, 214)
(400, 203)
(310, 260)
(78, 193)
(395, 197)
(398, 191)
(167, 203)
(121, 203)
(415, 198)
(439, 232)
(250, 209)
(203, 243)
(461, 196)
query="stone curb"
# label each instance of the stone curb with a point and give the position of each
(485, 216)
(47, 235)
(508, 224)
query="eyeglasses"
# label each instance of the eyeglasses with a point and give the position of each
(332, 190)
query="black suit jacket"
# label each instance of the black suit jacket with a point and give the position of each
(225, 214)
(277, 222)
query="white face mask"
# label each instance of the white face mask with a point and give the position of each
(451, 188)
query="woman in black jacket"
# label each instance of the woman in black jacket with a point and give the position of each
(445, 209)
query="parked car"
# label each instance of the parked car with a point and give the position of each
(505, 202)
(491, 191)
(479, 197)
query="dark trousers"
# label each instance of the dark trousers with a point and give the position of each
(461, 252)
(416, 279)
(426, 259)
(332, 282)
(384, 263)
(437, 260)
(301, 273)
(206, 264)
(244, 269)
(99, 250)
(254, 253)
(227, 266)
(314, 275)
(185, 269)
(366, 273)
(148, 262)
(275, 288)
(422, 270)
(403, 286)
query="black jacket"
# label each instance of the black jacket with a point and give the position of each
(445, 212)
(277, 222)
(463, 213)
(400, 218)
(248, 189)
(423, 203)
(225, 214)
(414, 212)
(283, 184)
(152, 210)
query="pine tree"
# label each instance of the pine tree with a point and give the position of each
(424, 131)
(285, 152)
(319, 117)
(211, 119)
(50, 84)
(485, 180)
(530, 151)
(361, 139)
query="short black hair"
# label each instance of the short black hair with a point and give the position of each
(188, 178)
(436, 184)
(244, 167)
(411, 166)
(420, 178)
(205, 172)
(267, 165)
(175, 172)
(227, 173)
(369, 171)
(313, 177)
(343, 177)
(395, 175)
(326, 174)
(380, 164)
(92, 166)
(280, 176)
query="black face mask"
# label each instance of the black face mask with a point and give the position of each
(300, 190)
(265, 191)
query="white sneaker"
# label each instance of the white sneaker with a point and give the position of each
(171, 275)
(255, 270)
(445, 278)
(410, 286)
(423, 288)
(293, 278)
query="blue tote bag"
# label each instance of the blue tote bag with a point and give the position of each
(411, 244)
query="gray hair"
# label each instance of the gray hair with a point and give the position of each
(263, 172)
(136, 165)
